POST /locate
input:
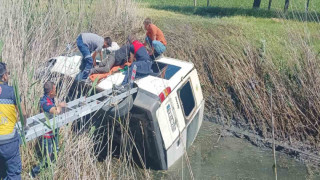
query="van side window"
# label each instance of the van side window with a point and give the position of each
(187, 99)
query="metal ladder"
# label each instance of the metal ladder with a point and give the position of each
(39, 124)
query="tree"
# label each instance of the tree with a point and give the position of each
(286, 6)
(208, 3)
(195, 3)
(256, 4)
(269, 6)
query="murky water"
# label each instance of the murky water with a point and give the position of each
(228, 157)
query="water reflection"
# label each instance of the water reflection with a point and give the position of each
(228, 157)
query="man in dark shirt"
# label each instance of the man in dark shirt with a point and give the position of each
(116, 58)
(141, 58)
(50, 139)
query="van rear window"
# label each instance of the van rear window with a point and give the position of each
(187, 99)
(165, 71)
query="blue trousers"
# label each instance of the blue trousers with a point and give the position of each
(87, 59)
(48, 148)
(10, 160)
(159, 48)
(143, 69)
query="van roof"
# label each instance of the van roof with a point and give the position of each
(173, 72)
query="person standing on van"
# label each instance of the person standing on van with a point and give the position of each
(155, 39)
(50, 139)
(10, 160)
(141, 58)
(88, 43)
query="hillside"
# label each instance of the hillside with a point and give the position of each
(251, 67)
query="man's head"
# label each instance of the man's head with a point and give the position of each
(4, 74)
(146, 23)
(49, 89)
(107, 42)
(131, 38)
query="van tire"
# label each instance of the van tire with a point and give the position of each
(122, 108)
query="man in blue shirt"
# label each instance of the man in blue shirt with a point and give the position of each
(50, 139)
(10, 160)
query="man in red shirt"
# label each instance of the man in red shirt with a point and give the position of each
(155, 39)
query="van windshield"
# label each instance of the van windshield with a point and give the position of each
(165, 71)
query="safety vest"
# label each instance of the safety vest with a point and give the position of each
(8, 114)
(136, 46)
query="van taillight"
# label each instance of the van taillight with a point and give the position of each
(164, 94)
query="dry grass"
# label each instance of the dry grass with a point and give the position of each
(238, 71)
(32, 32)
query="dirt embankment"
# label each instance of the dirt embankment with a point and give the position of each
(246, 85)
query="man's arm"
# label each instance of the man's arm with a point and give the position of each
(131, 58)
(57, 109)
(101, 56)
(94, 58)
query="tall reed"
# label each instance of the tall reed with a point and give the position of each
(33, 31)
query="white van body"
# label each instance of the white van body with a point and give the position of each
(171, 125)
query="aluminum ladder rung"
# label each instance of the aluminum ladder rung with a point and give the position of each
(39, 124)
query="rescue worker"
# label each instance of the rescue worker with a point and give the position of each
(10, 160)
(141, 58)
(50, 139)
(88, 43)
(111, 45)
(154, 38)
(116, 58)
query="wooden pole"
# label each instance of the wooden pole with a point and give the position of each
(307, 5)
(273, 141)
(256, 4)
(269, 6)
(286, 5)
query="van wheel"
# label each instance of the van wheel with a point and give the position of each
(122, 108)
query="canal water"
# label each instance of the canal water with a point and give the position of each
(226, 157)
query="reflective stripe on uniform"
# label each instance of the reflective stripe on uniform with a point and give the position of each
(8, 116)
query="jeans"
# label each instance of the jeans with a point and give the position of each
(159, 48)
(87, 59)
(143, 69)
(48, 148)
(10, 160)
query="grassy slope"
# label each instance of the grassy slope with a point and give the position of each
(240, 57)
(298, 5)
(272, 30)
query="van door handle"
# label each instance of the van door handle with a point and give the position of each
(178, 107)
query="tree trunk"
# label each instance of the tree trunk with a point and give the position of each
(195, 3)
(256, 4)
(269, 6)
(307, 6)
(286, 6)
(208, 3)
